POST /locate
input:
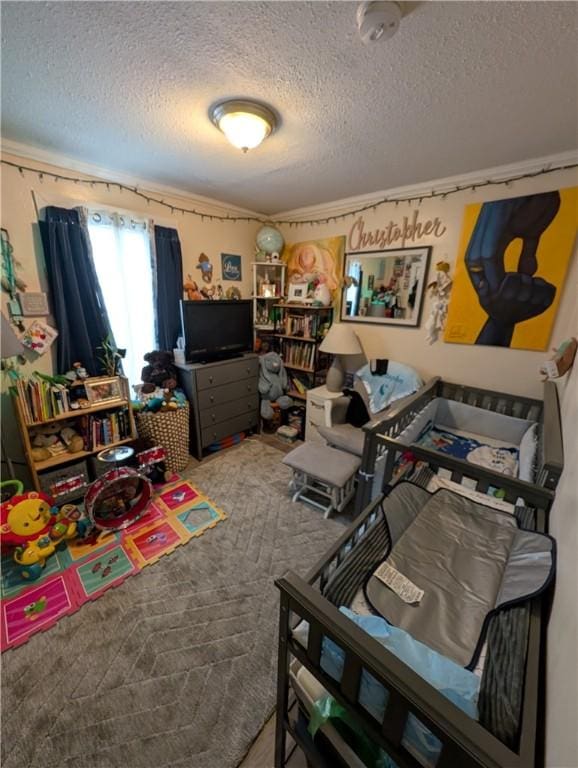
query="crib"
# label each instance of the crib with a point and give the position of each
(384, 443)
(515, 646)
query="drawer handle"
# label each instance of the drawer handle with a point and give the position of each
(211, 398)
(317, 405)
(248, 387)
(210, 379)
(213, 416)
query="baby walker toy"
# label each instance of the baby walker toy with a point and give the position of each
(34, 527)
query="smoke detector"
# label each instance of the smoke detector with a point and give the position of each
(377, 20)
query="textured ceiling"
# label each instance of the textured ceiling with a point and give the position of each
(126, 85)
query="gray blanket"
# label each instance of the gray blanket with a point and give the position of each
(470, 560)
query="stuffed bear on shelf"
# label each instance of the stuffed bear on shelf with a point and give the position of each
(160, 372)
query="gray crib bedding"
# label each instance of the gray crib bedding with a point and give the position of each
(502, 443)
(470, 561)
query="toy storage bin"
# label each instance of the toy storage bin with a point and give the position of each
(169, 429)
(49, 479)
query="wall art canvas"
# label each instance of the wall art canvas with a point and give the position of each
(316, 261)
(511, 268)
(231, 266)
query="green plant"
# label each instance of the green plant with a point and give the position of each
(110, 356)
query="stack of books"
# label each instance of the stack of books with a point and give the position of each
(306, 326)
(106, 429)
(41, 400)
(298, 353)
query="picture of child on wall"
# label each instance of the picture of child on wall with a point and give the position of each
(316, 261)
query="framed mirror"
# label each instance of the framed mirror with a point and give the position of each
(385, 287)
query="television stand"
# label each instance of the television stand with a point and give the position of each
(223, 396)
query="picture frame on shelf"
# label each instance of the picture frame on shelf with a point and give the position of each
(103, 389)
(298, 293)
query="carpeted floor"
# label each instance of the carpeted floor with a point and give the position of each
(176, 667)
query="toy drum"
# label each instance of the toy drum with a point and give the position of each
(117, 499)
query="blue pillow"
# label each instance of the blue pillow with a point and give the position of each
(399, 381)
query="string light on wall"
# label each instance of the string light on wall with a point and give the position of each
(290, 222)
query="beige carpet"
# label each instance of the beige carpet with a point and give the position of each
(176, 667)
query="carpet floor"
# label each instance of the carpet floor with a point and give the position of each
(176, 667)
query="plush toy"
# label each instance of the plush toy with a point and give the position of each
(273, 384)
(219, 294)
(208, 292)
(77, 373)
(160, 371)
(72, 440)
(192, 290)
(562, 360)
(206, 268)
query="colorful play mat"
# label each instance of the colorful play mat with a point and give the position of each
(81, 571)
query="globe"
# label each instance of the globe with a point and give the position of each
(269, 240)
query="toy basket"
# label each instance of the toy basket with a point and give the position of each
(169, 429)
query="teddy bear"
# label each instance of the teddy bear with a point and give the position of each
(206, 268)
(192, 290)
(46, 439)
(273, 384)
(160, 372)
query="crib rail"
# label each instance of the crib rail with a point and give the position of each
(465, 743)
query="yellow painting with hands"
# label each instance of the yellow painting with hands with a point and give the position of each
(510, 272)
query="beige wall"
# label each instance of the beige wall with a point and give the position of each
(490, 367)
(19, 217)
(562, 661)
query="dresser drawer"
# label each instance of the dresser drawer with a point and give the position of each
(225, 373)
(209, 398)
(316, 412)
(229, 410)
(225, 428)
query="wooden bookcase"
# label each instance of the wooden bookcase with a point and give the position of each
(298, 336)
(37, 468)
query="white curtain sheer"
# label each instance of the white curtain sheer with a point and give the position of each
(121, 248)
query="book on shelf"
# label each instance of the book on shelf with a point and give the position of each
(105, 429)
(43, 400)
(298, 353)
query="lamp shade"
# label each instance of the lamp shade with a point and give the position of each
(341, 340)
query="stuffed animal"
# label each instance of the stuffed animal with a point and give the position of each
(192, 290)
(160, 371)
(273, 384)
(206, 268)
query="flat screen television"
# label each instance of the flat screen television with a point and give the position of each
(215, 330)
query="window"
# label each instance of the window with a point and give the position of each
(121, 250)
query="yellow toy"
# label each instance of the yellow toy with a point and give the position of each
(31, 524)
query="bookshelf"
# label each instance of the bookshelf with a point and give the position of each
(101, 425)
(268, 290)
(298, 332)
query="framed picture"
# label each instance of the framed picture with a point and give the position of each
(103, 389)
(231, 267)
(298, 292)
(377, 295)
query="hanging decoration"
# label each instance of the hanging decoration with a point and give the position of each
(439, 290)
(418, 198)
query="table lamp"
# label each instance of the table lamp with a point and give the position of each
(340, 340)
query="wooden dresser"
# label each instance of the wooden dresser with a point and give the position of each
(224, 399)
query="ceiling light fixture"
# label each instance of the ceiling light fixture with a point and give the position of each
(378, 20)
(245, 123)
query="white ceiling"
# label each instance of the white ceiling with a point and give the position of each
(126, 85)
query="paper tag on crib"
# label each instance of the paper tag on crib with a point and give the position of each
(398, 583)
